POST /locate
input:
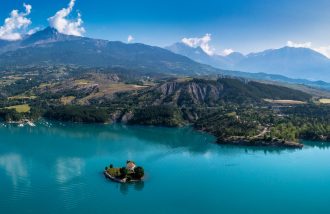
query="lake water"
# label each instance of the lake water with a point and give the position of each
(57, 168)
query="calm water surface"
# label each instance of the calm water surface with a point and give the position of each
(57, 168)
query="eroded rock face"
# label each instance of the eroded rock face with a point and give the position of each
(114, 77)
(190, 92)
(201, 93)
(127, 117)
(116, 116)
(168, 88)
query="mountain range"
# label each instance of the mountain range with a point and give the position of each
(49, 47)
(298, 63)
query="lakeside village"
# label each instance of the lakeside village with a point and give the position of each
(128, 174)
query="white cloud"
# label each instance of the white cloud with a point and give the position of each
(64, 25)
(226, 52)
(299, 45)
(15, 24)
(32, 31)
(130, 39)
(202, 42)
(325, 50)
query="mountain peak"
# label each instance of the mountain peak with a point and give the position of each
(46, 35)
(235, 54)
(49, 30)
(186, 50)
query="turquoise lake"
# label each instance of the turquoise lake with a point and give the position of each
(57, 168)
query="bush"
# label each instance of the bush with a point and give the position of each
(138, 173)
(10, 115)
(123, 172)
(83, 114)
(158, 115)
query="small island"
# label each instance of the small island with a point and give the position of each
(128, 174)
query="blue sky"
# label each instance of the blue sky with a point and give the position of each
(242, 25)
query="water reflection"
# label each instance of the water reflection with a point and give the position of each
(91, 140)
(119, 135)
(125, 188)
(69, 168)
(316, 144)
(174, 138)
(69, 176)
(14, 167)
(15, 170)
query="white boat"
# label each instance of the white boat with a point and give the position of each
(31, 124)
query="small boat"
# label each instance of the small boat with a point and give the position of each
(31, 124)
(21, 125)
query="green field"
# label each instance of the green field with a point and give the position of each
(67, 100)
(20, 108)
(114, 171)
(324, 101)
(289, 102)
(22, 97)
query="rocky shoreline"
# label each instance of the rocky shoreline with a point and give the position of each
(234, 140)
(261, 143)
